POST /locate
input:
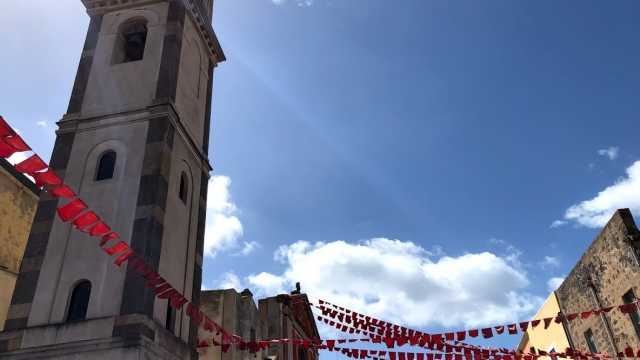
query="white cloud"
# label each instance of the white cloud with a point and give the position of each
(249, 247)
(268, 284)
(610, 152)
(230, 281)
(595, 213)
(224, 228)
(550, 262)
(400, 281)
(297, 2)
(42, 124)
(557, 224)
(554, 283)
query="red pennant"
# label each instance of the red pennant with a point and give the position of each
(461, 335)
(499, 329)
(607, 309)
(86, 219)
(487, 333)
(110, 236)
(195, 314)
(586, 314)
(117, 248)
(512, 329)
(17, 143)
(5, 128)
(124, 257)
(524, 326)
(6, 150)
(629, 352)
(31, 165)
(48, 177)
(331, 344)
(627, 308)
(473, 333)
(99, 229)
(71, 210)
(535, 323)
(63, 191)
(547, 322)
(572, 317)
(449, 336)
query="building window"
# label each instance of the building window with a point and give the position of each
(628, 298)
(588, 335)
(183, 192)
(170, 321)
(131, 42)
(106, 166)
(79, 302)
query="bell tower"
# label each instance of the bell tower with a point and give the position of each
(134, 145)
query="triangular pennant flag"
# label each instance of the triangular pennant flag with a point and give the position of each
(524, 326)
(512, 329)
(535, 323)
(17, 143)
(71, 210)
(31, 165)
(6, 150)
(547, 322)
(86, 219)
(63, 191)
(585, 314)
(487, 333)
(48, 177)
(499, 329)
(473, 333)
(461, 335)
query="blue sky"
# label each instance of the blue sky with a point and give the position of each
(396, 157)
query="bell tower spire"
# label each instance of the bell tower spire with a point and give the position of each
(133, 144)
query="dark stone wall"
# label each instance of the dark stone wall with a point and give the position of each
(149, 223)
(607, 270)
(84, 68)
(38, 239)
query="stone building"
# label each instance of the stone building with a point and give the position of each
(278, 317)
(134, 145)
(608, 274)
(18, 201)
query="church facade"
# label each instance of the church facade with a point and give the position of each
(134, 145)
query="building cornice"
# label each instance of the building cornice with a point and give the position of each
(202, 20)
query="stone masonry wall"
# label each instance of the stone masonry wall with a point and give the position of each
(607, 270)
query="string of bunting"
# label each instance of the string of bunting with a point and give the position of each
(387, 329)
(77, 212)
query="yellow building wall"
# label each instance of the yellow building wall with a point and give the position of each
(553, 338)
(18, 203)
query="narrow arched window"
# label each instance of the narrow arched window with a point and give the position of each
(106, 166)
(184, 188)
(79, 302)
(170, 321)
(131, 42)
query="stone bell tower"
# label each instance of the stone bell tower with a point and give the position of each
(134, 146)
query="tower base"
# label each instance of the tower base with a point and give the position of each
(131, 337)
